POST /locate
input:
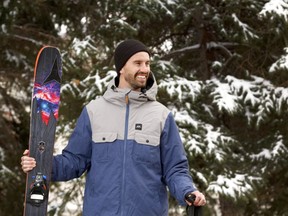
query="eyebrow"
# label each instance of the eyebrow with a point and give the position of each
(148, 61)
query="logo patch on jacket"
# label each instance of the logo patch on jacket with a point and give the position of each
(138, 126)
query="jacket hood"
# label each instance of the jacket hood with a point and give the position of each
(113, 93)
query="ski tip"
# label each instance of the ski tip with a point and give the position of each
(40, 52)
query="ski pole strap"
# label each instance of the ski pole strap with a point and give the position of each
(192, 210)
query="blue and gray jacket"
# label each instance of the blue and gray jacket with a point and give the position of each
(130, 146)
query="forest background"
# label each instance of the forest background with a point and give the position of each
(221, 67)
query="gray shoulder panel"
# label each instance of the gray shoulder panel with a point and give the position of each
(147, 119)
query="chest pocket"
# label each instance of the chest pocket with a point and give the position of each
(146, 149)
(104, 137)
(100, 147)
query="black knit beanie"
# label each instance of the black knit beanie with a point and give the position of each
(125, 50)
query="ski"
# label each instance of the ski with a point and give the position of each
(43, 119)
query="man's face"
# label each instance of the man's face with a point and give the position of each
(135, 72)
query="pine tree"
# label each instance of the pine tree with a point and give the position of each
(221, 67)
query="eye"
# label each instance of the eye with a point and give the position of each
(138, 63)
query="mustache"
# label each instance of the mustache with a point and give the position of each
(142, 73)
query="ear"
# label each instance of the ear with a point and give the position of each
(121, 71)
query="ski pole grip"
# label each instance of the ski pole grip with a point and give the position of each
(192, 210)
(190, 197)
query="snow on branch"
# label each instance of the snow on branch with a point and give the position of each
(91, 84)
(80, 46)
(277, 149)
(213, 139)
(222, 47)
(183, 116)
(256, 93)
(276, 7)
(246, 90)
(162, 5)
(224, 98)
(182, 87)
(231, 186)
(281, 63)
(194, 145)
(247, 30)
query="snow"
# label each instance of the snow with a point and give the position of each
(276, 150)
(281, 63)
(2, 154)
(28, 39)
(245, 89)
(183, 116)
(212, 138)
(167, 45)
(277, 7)
(164, 7)
(195, 146)
(279, 147)
(202, 178)
(265, 153)
(61, 140)
(63, 30)
(6, 3)
(4, 169)
(224, 97)
(126, 25)
(17, 60)
(247, 31)
(176, 85)
(80, 46)
(72, 207)
(231, 186)
(164, 64)
(256, 94)
(4, 28)
(89, 89)
(281, 98)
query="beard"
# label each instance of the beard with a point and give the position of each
(137, 81)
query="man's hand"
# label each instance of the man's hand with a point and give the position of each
(199, 200)
(27, 163)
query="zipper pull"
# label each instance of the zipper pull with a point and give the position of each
(126, 99)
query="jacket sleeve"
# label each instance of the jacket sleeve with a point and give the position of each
(75, 158)
(174, 162)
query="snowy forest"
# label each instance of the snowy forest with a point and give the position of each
(221, 67)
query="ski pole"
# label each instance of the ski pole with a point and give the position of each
(193, 210)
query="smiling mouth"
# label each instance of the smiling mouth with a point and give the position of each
(141, 76)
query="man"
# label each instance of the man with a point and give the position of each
(129, 145)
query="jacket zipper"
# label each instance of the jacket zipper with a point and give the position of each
(124, 154)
